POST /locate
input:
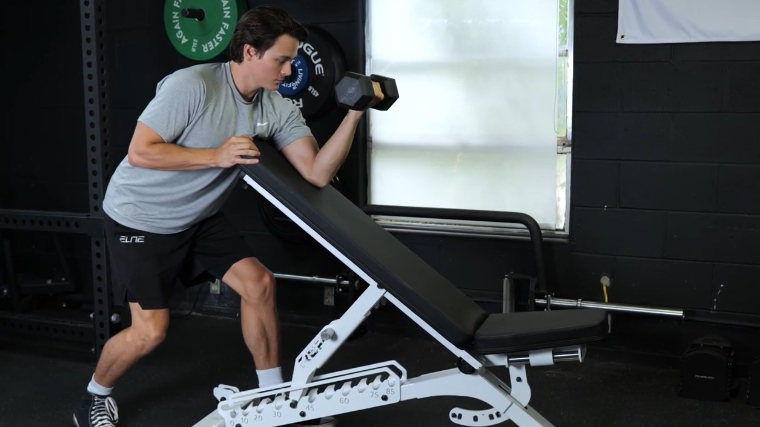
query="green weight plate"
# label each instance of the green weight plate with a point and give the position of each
(202, 29)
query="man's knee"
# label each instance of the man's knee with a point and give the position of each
(258, 286)
(148, 338)
(252, 281)
(148, 330)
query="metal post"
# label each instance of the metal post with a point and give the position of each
(11, 272)
(557, 355)
(689, 315)
(508, 296)
(312, 279)
(332, 286)
(536, 236)
(615, 307)
(96, 118)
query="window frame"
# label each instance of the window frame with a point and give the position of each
(477, 229)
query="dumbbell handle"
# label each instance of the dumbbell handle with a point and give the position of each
(198, 14)
(378, 91)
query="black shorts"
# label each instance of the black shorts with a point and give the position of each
(145, 267)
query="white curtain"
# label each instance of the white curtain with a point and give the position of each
(474, 127)
(688, 21)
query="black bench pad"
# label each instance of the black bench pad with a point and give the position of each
(535, 330)
(405, 275)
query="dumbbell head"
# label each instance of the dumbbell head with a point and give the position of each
(355, 91)
(390, 91)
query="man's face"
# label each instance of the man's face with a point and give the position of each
(274, 65)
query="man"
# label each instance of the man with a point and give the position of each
(166, 194)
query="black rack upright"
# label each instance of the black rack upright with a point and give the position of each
(104, 320)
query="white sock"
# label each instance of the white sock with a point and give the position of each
(98, 389)
(269, 377)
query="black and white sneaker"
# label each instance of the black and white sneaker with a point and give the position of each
(96, 411)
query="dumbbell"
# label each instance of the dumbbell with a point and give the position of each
(356, 91)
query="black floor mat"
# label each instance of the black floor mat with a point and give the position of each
(173, 386)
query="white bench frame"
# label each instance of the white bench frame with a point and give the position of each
(309, 397)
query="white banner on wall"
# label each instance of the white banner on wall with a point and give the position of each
(688, 21)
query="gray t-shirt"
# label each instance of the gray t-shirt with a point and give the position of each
(196, 107)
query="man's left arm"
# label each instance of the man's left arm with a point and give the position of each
(319, 166)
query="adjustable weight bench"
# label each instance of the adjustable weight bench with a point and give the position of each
(394, 273)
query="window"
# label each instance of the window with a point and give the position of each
(482, 120)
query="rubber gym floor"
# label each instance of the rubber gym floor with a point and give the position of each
(172, 387)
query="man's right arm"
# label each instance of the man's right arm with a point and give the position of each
(179, 97)
(148, 150)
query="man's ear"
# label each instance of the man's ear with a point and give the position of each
(249, 52)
